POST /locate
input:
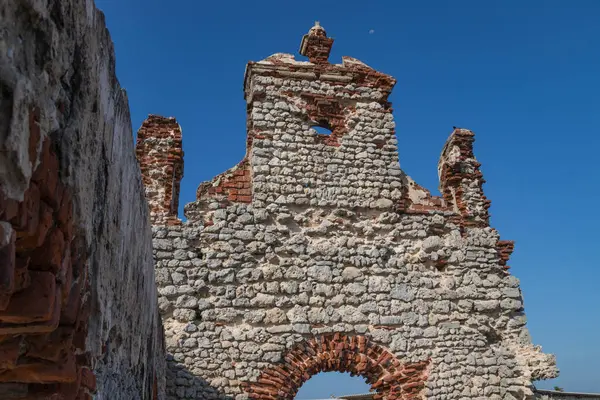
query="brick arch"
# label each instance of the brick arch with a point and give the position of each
(389, 377)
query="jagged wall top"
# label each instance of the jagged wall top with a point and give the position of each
(317, 241)
(317, 47)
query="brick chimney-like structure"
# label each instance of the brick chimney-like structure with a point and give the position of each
(316, 45)
(461, 180)
(160, 154)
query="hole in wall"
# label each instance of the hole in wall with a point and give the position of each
(492, 336)
(441, 265)
(327, 385)
(322, 128)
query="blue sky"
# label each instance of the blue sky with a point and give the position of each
(523, 75)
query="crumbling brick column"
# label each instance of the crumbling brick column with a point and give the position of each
(461, 181)
(160, 154)
(316, 45)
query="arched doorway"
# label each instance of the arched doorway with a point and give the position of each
(333, 384)
(388, 378)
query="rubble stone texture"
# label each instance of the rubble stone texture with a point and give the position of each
(78, 302)
(318, 253)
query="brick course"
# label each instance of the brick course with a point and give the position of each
(160, 155)
(78, 302)
(43, 318)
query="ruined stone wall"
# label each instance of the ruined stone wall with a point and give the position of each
(78, 303)
(317, 253)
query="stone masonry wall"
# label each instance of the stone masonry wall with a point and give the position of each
(317, 253)
(78, 302)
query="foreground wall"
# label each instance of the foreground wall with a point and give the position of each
(317, 253)
(78, 304)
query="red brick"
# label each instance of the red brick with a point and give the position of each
(88, 379)
(50, 256)
(26, 220)
(46, 174)
(161, 172)
(34, 304)
(9, 208)
(45, 222)
(9, 352)
(354, 354)
(70, 391)
(22, 276)
(72, 305)
(51, 346)
(7, 263)
(35, 327)
(36, 372)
